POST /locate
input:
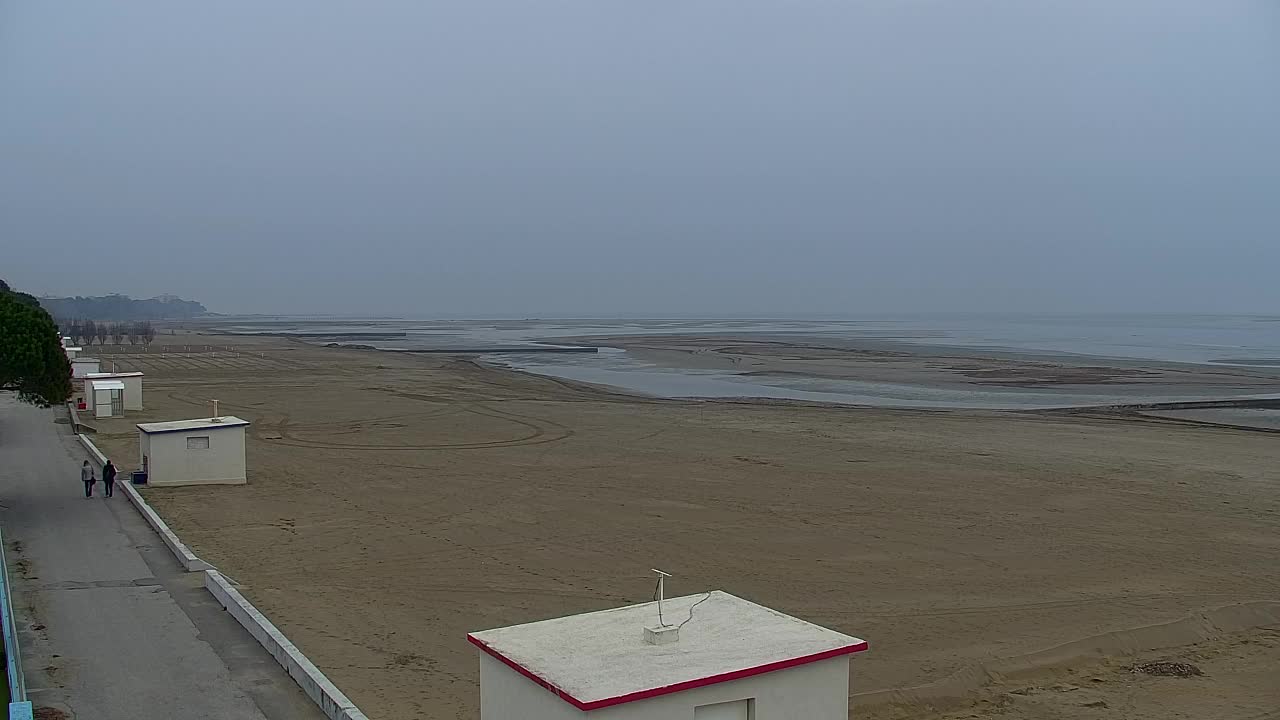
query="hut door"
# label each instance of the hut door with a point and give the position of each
(101, 403)
(117, 403)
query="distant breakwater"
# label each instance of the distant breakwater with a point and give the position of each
(471, 350)
(330, 335)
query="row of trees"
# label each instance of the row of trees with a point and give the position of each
(84, 332)
(31, 358)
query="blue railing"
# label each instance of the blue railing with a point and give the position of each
(19, 706)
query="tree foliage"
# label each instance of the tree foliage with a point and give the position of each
(71, 328)
(32, 360)
(86, 332)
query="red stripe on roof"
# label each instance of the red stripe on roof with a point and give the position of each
(563, 695)
(667, 689)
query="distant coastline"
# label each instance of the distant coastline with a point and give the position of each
(938, 362)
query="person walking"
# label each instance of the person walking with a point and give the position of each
(109, 478)
(86, 475)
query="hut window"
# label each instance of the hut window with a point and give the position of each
(736, 710)
(199, 442)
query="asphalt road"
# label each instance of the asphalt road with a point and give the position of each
(111, 627)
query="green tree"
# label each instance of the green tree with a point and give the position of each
(32, 360)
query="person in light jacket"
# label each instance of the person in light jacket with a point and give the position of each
(86, 475)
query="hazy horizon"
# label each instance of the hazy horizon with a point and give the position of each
(715, 159)
(797, 316)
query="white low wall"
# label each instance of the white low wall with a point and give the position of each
(330, 699)
(313, 682)
(176, 546)
(187, 558)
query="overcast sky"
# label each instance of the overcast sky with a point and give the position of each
(591, 157)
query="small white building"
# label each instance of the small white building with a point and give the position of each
(132, 387)
(730, 659)
(104, 398)
(207, 451)
(72, 352)
(82, 366)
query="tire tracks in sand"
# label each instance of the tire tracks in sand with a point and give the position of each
(537, 431)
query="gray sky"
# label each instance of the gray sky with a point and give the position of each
(593, 157)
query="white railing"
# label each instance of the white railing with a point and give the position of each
(19, 706)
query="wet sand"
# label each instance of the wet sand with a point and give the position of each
(1260, 418)
(396, 502)
(935, 365)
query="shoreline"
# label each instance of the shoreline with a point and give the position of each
(807, 362)
(879, 348)
(976, 370)
(887, 348)
(882, 374)
(1133, 408)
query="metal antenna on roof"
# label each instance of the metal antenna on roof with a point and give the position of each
(215, 417)
(662, 633)
(662, 576)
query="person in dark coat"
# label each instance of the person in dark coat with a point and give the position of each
(86, 476)
(109, 477)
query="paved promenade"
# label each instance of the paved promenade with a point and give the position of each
(113, 629)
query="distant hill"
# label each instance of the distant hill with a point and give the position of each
(123, 307)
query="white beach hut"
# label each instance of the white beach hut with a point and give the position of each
(729, 659)
(132, 386)
(72, 352)
(82, 366)
(206, 451)
(105, 397)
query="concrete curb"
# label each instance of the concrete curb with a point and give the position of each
(325, 694)
(187, 558)
(75, 418)
(313, 682)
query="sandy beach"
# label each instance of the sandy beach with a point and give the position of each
(398, 501)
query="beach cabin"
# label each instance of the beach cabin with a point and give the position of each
(711, 656)
(132, 386)
(207, 451)
(72, 352)
(82, 366)
(104, 398)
